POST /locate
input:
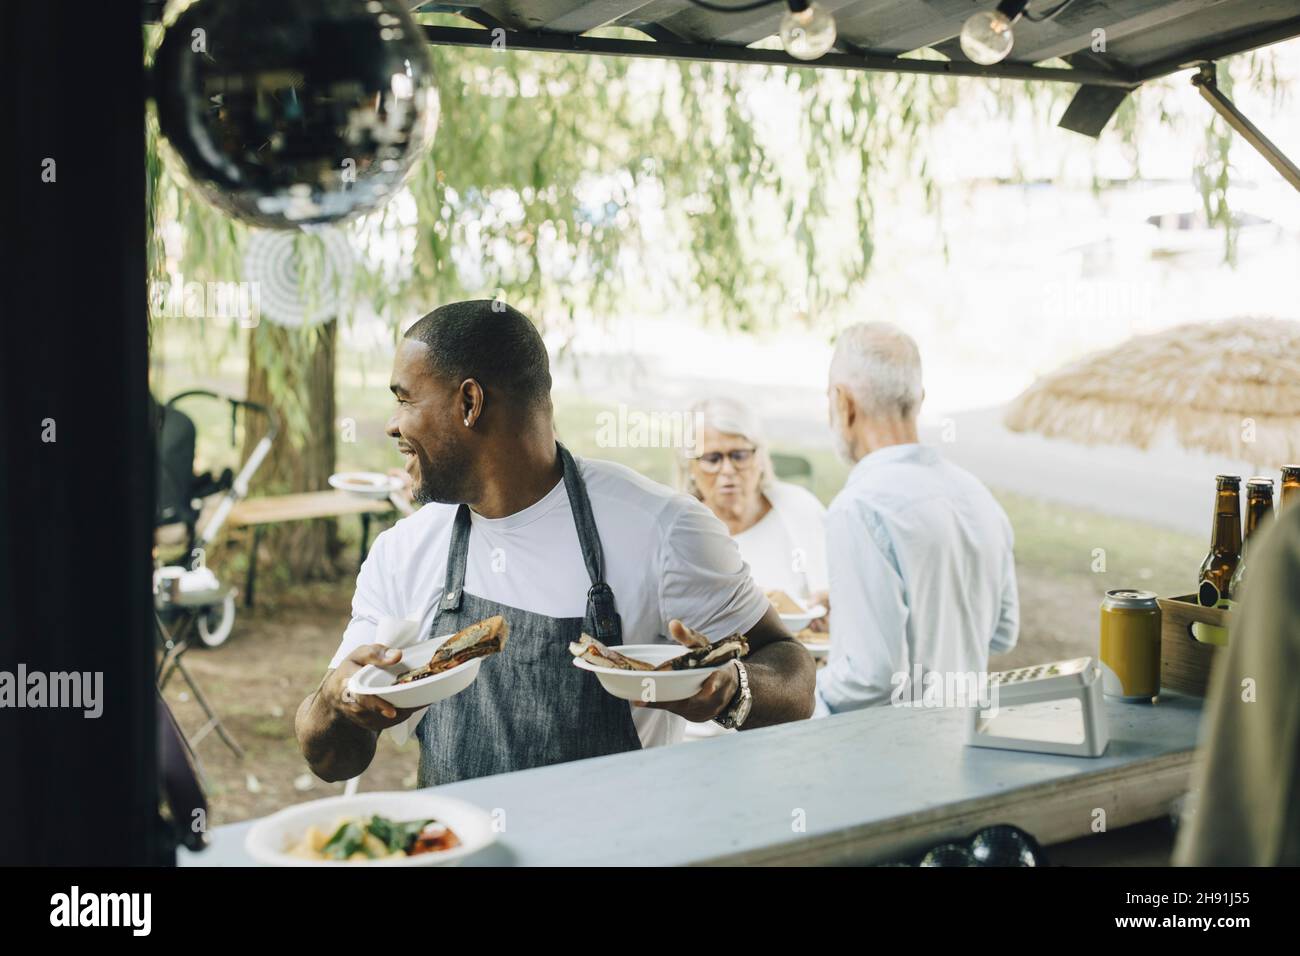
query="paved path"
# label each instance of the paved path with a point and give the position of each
(1167, 487)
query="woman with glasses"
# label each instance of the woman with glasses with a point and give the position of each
(779, 527)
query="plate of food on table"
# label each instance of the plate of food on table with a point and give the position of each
(372, 829)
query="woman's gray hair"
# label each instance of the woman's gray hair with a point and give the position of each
(730, 417)
(880, 365)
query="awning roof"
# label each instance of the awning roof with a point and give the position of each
(1144, 39)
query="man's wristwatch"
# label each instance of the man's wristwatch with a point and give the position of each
(743, 701)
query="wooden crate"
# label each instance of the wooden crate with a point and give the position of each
(1184, 661)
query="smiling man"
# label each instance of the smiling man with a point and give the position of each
(513, 524)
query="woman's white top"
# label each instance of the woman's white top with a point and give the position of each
(786, 549)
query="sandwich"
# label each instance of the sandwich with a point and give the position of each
(488, 636)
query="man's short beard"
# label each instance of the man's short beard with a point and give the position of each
(447, 483)
(421, 494)
(843, 447)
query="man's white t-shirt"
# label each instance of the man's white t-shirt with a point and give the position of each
(666, 557)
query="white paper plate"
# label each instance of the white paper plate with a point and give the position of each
(271, 836)
(381, 681)
(649, 685)
(797, 622)
(366, 484)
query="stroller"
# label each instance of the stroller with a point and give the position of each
(188, 597)
(190, 588)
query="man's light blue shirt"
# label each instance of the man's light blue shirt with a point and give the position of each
(922, 577)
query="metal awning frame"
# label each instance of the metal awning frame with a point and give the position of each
(1206, 82)
(663, 45)
(493, 35)
(1100, 95)
(1101, 91)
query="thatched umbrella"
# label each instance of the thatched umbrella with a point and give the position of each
(1228, 388)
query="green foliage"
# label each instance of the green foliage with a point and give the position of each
(570, 185)
(1212, 169)
(546, 169)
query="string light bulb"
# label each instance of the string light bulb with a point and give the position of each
(807, 30)
(986, 36)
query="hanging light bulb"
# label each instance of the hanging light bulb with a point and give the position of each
(807, 31)
(986, 36)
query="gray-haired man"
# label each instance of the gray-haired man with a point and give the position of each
(922, 577)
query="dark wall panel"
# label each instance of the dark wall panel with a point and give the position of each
(75, 511)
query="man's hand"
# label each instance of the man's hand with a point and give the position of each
(713, 699)
(782, 678)
(716, 694)
(338, 730)
(366, 710)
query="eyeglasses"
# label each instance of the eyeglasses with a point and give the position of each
(711, 464)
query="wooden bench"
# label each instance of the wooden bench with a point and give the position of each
(257, 513)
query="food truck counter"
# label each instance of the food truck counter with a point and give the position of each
(865, 787)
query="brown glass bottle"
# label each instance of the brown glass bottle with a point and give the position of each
(1289, 494)
(1259, 512)
(1225, 542)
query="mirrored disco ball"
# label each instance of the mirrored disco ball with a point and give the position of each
(286, 113)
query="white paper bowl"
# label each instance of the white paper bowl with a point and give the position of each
(797, 622)
(271, 836)
(381, 681)
(366, 484)
(640, 685)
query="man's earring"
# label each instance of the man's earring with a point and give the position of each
(467, 421)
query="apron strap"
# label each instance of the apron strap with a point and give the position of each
(457, 559)
(600, 599)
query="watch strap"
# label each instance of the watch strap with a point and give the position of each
(731, 719)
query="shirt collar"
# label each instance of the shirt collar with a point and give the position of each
(538, 509)
(907, 452)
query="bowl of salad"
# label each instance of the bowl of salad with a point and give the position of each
(372, 829)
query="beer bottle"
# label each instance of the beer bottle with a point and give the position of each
(1259, 511)
(1289, 494)
(1225, 542)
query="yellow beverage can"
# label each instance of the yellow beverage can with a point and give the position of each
(1130, 645)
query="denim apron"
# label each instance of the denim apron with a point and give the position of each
(529, 706)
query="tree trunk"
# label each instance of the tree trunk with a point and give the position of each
(297, 462)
